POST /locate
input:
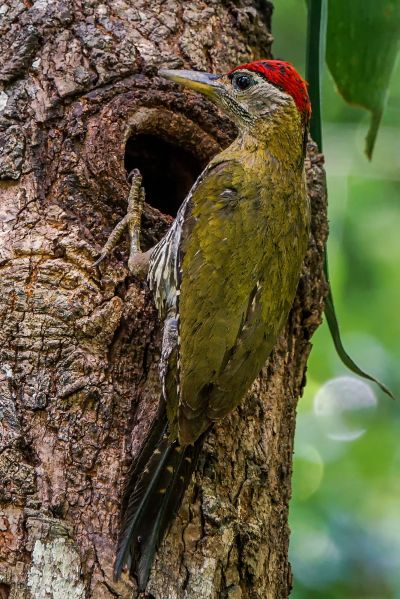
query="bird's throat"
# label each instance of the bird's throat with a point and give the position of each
(280, 135)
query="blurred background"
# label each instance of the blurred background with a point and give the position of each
(345, 511)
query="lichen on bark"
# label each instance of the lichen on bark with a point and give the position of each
(79, 347)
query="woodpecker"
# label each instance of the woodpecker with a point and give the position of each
(224, 278)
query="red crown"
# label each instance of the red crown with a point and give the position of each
(283, 75)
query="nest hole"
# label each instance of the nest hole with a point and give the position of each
(168, 170)
(5, 590)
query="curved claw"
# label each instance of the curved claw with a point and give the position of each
(99, 260)
(138, 261)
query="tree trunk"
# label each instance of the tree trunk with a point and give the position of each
(80, 104)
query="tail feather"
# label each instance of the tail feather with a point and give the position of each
(142, 493)
(165, 511)
(158, 479)
(139, 464)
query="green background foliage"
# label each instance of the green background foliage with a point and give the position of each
(361, 47)
(345, 512)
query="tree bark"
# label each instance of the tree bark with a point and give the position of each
(81, 102)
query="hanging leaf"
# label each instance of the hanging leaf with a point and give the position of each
(361, 48)
(333, 325)
(316, 32)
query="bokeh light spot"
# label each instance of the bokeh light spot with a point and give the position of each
(344, 407)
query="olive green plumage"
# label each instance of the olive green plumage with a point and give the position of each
(224, 279)
(242, 249)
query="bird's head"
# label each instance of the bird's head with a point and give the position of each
(252, 93)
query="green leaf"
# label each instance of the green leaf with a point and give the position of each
(362, 45)
(316, 32)
(333, 325)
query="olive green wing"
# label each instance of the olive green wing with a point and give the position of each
(222, 316)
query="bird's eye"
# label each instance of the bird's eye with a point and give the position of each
(242, 82)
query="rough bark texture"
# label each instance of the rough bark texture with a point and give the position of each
(79, 347)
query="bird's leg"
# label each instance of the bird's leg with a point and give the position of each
(138, 261)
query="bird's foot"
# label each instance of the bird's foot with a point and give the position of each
(138, 261)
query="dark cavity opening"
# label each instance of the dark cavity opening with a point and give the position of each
(4, 590)
(168, 170)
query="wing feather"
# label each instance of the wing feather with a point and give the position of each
(226, 273)
(220, 302)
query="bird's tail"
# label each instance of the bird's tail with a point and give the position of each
(155, 486)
